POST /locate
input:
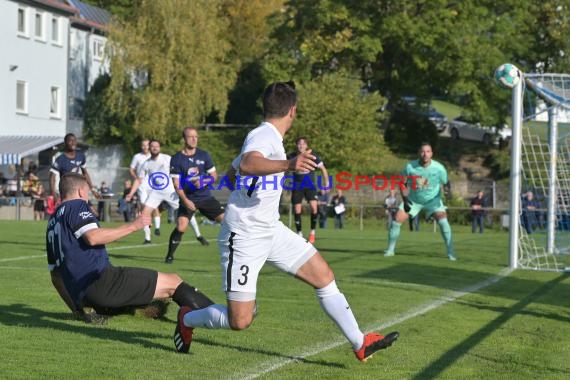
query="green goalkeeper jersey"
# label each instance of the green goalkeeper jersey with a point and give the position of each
(427, 180)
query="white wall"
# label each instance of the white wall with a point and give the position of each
(42, 64)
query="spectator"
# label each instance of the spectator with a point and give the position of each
(391, 204)
(529, 215)
(478, 205)
(339, 205)
(105, 192)
(38, 195)
(323, 207)
(127, 208)
(29, 184)
(32, 169)
(414, 223)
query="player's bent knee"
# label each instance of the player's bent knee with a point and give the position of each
(241, 323)
(166, 284)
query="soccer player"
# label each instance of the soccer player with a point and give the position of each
(424, 189)
(305, 186)
(153, 174)
(70, 161)
(191, 164)
(144, 189)
(80, 267)
(251, 234)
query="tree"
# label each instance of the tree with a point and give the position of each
(341, 123)
(424, 48)
(102, 126)
(249, 34)
(170, 66)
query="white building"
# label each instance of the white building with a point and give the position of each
(34, 40)
(86, 58)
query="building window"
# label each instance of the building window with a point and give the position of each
(54, 102)
(98, 49)
(55, 33)
(21, 97)
(39, 26)
(22, 21)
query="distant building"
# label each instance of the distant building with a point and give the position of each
(86, 58)
(52, 52)
(33, 76)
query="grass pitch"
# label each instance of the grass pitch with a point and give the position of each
(469, 319)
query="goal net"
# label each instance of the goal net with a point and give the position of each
(540, 175)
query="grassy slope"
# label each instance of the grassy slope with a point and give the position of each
(513, 329)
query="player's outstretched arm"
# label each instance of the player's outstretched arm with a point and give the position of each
(52, 189)
(253, 163)
(99, 236)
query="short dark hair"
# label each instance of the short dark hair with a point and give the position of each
(278, 98)
(70, 183)
(302, 138)
(424, 144)
(68, 136)
(150, 141)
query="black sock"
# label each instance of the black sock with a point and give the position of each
(313, 221)
(174, 241)
(298, 222)
(187, 295)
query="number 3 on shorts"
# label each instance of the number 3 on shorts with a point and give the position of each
(244, 271)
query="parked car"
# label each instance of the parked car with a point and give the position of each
(426, 110)
(461, 128)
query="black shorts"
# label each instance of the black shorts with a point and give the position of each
(307, 193)
(121, 287)
(39, 205)
(210, 208)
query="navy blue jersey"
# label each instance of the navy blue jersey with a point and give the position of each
(300, 176)
(186, 168)
(79, 262)
(64, 164)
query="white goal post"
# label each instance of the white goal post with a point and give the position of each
(541, 167)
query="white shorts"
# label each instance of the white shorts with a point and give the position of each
(242, 258)
(154, 198)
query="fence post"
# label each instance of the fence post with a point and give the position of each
(361, 217)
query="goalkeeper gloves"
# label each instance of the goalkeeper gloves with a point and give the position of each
(407, 204)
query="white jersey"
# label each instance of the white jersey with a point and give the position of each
(159, 165)
(138, 160)
(136, 163)
(257, 210)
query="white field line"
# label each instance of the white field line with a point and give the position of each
(109, 249)
(272, 365)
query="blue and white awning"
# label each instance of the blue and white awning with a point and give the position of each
(14, 148)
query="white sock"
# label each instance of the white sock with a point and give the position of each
(195, 227)
(336, 307)
(146, 230)
(212, 317)
(157, 222)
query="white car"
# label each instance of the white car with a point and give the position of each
(461, 128)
